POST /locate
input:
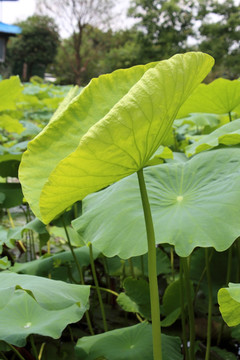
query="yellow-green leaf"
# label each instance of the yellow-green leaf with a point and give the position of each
(219, 97)
(109, 131)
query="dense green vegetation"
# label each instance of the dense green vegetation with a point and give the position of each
(88, 252)
(91, 46)
(119, 197)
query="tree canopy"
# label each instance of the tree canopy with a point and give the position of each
(162, 28)
(78, 16)
(35, 48)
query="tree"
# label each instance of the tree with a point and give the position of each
(35, 48)
(164, 26)
(95, 45)
(76, 16)
(220, 32)
(101, 52)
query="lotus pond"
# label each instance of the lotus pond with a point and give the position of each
(120, 216)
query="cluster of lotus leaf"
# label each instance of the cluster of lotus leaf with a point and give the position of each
(91, 150)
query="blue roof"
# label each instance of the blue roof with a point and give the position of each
(9, 29)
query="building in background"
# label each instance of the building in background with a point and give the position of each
(5, 32)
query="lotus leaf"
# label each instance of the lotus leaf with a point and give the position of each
(131, 343)
(219, 97)
(228, 134)
(193, 203)
(10, 90)
(33, 305)
(229, 301)
(107, 132)
(136, 297)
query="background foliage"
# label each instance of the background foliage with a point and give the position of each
(162, 28)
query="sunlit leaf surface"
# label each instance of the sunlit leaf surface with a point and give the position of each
(229, 301)
(228, 134)
(219, 97)
(10, 90)
(132, 110)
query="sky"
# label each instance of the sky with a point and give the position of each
(14, 11)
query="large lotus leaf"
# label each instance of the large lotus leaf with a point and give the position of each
(131, 343)
(219, 97)
(228, 134)
(64, 104)
(23, 316)
(33, 305)
(229, 301)
(194, 203)
(64, 131)
(50, 294)
(10, 90)
(133, 110)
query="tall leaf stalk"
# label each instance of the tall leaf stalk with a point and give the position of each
(80, 273)
(210, 305)
(183, 318)
(187, 283)
(152, 270)
(94, 274)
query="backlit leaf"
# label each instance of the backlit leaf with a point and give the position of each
(219, 97)
(229, 301)
(10, 90)
(228, 134)
(133, 110)
(10, 124)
